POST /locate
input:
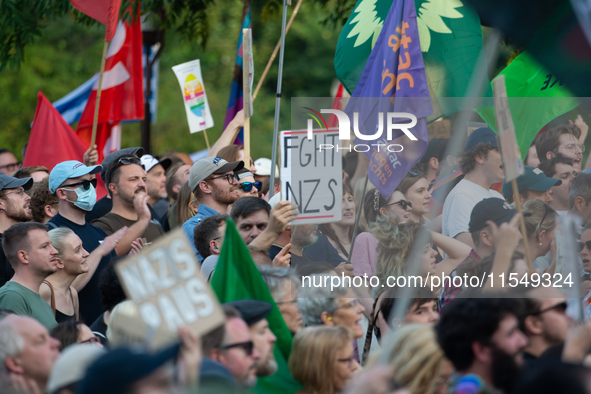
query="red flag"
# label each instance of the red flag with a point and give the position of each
(122, 94)
(52, 140)
(104, 11)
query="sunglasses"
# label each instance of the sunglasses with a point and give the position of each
(247, 186)
(247, 346)
(548, 209)
(587, 244)
(85, 184)
(560, 307)
(129, 160)
(229, 177)
(403, 203)
(416, 173)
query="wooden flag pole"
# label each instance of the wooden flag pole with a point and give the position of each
(206, 139)
(522, 224)
(98, 95)
(246, 91)
(274, 54)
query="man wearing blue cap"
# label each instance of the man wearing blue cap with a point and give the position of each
(14, 208)
(533, 185)
(73, 184)
(482, 166)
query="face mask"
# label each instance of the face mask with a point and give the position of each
(86, 198)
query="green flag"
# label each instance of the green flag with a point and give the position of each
(451, 42)
(236, 278)
(536, 97)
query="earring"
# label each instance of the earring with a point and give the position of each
(329, 319)
(540, 244)
(215, 247)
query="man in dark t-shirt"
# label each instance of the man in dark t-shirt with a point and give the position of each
(14, 208)
(68, 181)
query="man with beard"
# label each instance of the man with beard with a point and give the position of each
(213, 182)
(72, 183)
(544, 321)
(564, 140)
(33, 258)
(126, 178)
(156, 172)
(14, 208)
(254, 313)
(481, 337)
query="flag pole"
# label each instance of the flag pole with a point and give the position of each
(272, 58)
(98, 95)
(246, 91)
(206, 139)
(278, 101)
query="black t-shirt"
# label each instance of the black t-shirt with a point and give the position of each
(89, 296)
(99, 328)
(6, 270)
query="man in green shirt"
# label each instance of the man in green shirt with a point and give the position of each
(29, 250)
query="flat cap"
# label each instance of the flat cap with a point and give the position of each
(252, 311)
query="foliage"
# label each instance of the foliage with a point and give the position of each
(68, 53)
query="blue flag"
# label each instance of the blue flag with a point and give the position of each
(391, 101)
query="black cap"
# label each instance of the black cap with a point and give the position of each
(252, 311)
(114, 372)
(111, 160)
(432, 149)
(8, 182)
(494, 209)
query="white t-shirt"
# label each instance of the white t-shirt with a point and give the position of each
(459, 204)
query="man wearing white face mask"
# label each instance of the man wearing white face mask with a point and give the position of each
(73, 185)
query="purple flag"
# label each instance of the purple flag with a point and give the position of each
(393, 81)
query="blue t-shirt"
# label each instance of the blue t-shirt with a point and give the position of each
(189, 226)
(89, 296)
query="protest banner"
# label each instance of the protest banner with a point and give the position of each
(247, 80)
(512, 163)
(311, 177)
(195, 98)
(165, 282)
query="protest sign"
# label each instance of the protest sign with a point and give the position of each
(512, 163)
(195, 98)
(165, 282)
(311, 177)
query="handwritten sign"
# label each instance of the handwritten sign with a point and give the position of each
(512, 162)
(165, 282)
(311, 174)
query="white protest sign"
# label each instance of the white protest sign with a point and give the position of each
(247, 71)
(512, 162)
(196, 105)
(311, 178)
(165, 282)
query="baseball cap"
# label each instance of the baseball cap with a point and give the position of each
(8, 182)
(71, 365)
(150, 161)
(494, 209)
(263, 166)
(69, 169)
(483, 135)
(112, 159)
(252, 311)
(118, 369)
(211, 165)
(533, 179)
(432, 149)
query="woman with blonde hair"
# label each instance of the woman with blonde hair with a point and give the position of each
(415, 359)
(321, 359)
(540, 224)
(187, 204)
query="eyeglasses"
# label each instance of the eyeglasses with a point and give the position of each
(12, 166)
(93, 339)
(287, 302)
(573, 147)
(403, 203)
(349, 361)
(560, 307)
(548, 209)
(247, 186)
(229, 177)
(20, 192)
(416, 173)
(85, 184)
(350, 304)
(247, 346)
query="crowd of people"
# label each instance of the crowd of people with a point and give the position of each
(452, 217)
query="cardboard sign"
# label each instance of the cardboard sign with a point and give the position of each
(196, 104)
(247, 71)
(512, 162)
(165, 282)
(312, 177)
